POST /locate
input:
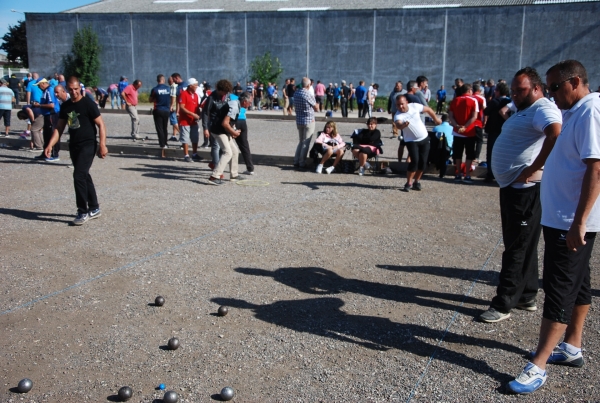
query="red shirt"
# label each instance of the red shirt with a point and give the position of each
(132, 94)
(190, 102)
(462, 107)
(482, 104)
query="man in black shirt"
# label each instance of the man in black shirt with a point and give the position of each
(82, 116)
(14, 83)
(290, 89)
(344, 96)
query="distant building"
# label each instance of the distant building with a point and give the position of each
(379, 41)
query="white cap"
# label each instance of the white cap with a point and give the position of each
(192, 81)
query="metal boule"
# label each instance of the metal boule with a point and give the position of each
(227, 393)
(159, 301)
(223, 310)
(125, 393)
(173, 343)
(25, 385)
(170, 397)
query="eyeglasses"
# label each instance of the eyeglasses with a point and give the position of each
(555, 87)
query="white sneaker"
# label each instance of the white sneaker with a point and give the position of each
(248, 173)
(319, 169)
(330, 170)
(367, 165)
(361, 171)
(531, 379)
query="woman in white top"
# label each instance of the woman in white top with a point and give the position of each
(371, 96)
(330, 143)
(408, 119)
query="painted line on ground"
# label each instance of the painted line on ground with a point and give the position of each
(432, 357)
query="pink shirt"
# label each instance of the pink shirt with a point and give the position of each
(320, 90)
(112, 87)
(132, 94)
(325, 139)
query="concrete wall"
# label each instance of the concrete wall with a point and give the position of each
(380, 46)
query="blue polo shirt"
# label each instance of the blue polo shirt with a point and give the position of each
(36, 93)
(360, 94)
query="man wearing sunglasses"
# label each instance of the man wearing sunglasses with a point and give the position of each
(570, 220)
(518, 158)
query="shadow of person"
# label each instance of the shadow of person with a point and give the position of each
(489, 277)
(319, 281)
(31, 215)
(319, 185)
(324, 317)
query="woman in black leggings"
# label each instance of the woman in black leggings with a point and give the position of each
(408, 119)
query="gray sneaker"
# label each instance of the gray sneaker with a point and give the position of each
(81, 219)
(493, 316)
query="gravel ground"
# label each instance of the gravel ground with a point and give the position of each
(340, 287)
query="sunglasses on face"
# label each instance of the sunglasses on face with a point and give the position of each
(556, 86)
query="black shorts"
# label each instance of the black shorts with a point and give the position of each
(566, 275)
(418, 151)
(464, 143)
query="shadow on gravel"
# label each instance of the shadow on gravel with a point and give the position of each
(30, 215)
(319, 185)
(173, 172)
(324, 317)
(319, 281)
(489, 277)
(16, 159)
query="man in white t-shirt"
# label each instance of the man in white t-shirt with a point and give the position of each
(570, 220)
(416, 139)
(518, 158)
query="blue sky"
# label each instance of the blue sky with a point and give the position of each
(33, 6)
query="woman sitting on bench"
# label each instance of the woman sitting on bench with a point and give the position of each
(366, 144)
(330, 142)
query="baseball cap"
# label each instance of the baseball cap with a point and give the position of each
(192, 81)
(43, 80)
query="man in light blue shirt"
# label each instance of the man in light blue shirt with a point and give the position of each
(7, 96)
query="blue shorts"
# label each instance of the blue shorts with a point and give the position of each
(173, 118)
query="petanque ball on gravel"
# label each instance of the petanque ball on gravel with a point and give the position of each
(25, 385)
(223, 310)
(125, 393)
(173, 343)
(159, 301)
(162, 386)
(227, 393)
(170, 397)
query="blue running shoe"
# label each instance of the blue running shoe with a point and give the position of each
(531, 379)
(560, 356)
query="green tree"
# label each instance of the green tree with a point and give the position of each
(84, 59)
(265, 69)
(15, 44)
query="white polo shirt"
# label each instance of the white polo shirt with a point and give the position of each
(416, 130)
(564, 171)
(521, 140)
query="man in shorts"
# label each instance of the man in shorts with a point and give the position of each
(518, 160)
(463, 114)
(189, 114)
(570, 220)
